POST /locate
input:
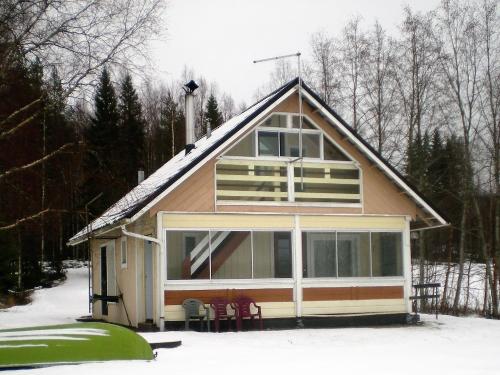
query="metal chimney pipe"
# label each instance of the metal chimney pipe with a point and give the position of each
(189, 89)
(140, 176)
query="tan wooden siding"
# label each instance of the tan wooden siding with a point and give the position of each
(196, 194)
(372, 306)
(353, 293)
(175, 297)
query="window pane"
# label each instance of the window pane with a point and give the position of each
(387, 254)
(268, 144)
(246, 147)
(289, 144)
(310, 145)
(187, 255)
(272, 256)
(354, 254)
(231, 255)
(332, 152)
(275, 121)
(319, 254)
(306, 124)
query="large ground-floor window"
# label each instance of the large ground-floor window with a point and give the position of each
(219, 254)
(352, 254)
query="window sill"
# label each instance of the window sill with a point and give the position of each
(228, 284)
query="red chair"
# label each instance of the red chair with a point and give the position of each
(219, 305)
(243, 308)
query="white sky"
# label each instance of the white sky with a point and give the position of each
(219, 39)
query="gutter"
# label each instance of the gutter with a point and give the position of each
(432, 227)
(159, 278)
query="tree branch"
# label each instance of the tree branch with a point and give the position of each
(36, 162)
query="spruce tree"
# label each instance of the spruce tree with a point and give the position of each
(131, 133)
(102, 151)
(213, 117)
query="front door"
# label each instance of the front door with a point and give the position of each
(148, 278)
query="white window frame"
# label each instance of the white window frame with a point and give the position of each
(338, 231)
(290, 129)
(123, 251)
(210, 280)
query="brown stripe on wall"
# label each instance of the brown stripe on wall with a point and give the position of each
(353, 293)
(175, 297)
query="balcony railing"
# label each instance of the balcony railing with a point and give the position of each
(283, 181)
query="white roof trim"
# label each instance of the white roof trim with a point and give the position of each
(374, 158)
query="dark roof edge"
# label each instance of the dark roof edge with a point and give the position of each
(367, 145)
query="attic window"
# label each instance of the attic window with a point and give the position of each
(332, 152)
(279, 137)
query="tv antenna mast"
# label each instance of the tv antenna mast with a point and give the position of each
(301, 158)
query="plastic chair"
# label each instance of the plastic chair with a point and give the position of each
(219, 305)
(243, 308)
(192, 311)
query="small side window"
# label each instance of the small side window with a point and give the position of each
(124, 253)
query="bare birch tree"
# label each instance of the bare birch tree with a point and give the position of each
(353, 49)
(459, 34)
(380, 90)
(489, 24)
(416, 75)
(324, 67)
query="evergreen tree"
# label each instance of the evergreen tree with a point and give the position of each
(131, 134)
(213, 117)
(437, 167)
(102, 151)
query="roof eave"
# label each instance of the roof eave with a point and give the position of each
(98, 232)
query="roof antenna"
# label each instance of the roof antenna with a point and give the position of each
(300, 109)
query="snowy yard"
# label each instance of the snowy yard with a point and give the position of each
(448, 345)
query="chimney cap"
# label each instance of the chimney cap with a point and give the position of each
(191, 86)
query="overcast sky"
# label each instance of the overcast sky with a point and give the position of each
(219, 39)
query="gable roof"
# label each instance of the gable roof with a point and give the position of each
(145, 195)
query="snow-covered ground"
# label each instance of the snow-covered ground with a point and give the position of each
(58, 305)
(448, 345)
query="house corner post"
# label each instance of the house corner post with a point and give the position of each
(407, 264)
(161, 270)
(297, 251)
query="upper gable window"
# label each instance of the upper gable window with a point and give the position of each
(276, 121)
(278, 136)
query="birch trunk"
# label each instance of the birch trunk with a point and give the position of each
(487, 259)
(461, 258)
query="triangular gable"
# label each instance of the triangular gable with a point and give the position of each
(178, 169)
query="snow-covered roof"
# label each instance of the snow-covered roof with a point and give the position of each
(174, 168)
